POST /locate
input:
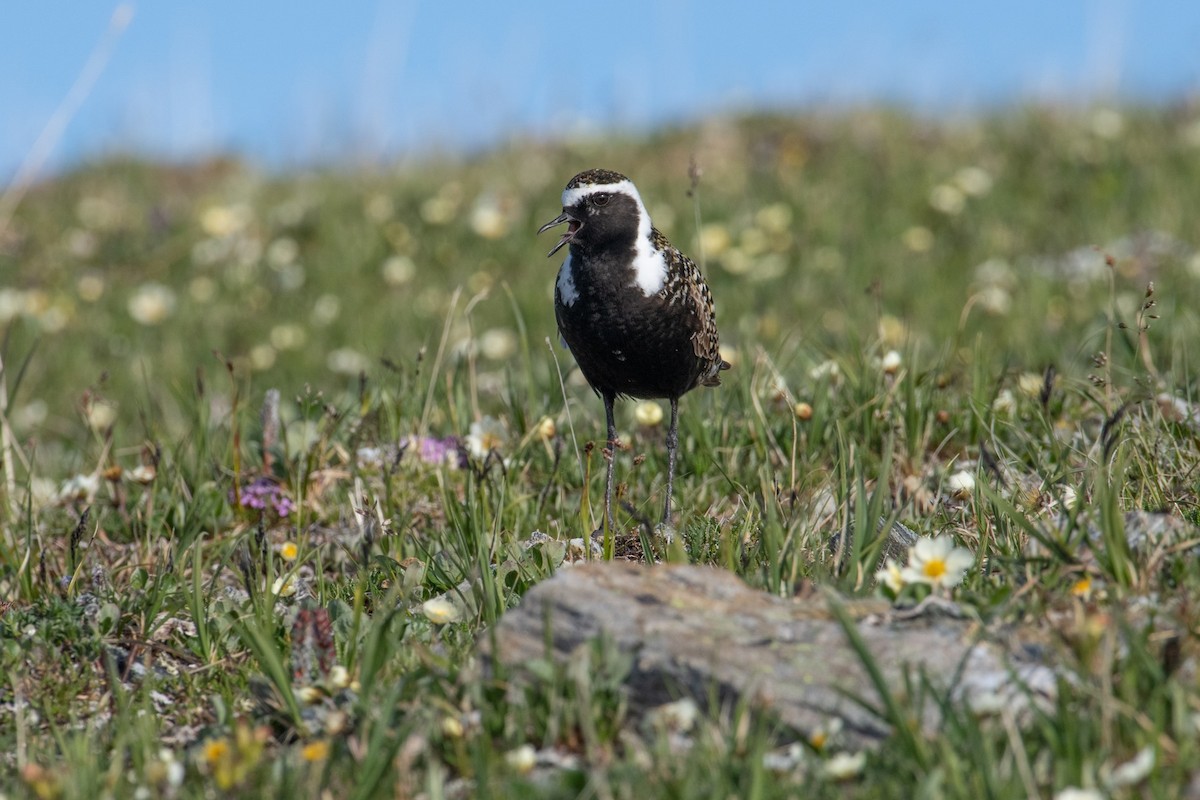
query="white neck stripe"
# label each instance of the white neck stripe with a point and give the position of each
(649, 264)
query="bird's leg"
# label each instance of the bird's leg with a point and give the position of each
(672, 445)
(612, 457)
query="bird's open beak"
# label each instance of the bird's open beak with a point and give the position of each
(573, 226)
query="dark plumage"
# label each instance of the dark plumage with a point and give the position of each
(634, 311)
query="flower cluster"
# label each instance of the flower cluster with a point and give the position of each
(265, 492)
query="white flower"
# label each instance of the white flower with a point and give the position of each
(679, 716)
(995, 300)
(488, 218)
(826, 369)
(282, 251)
(326, 309)
(1069, 498)
(486, 435)
(347, 361)
(221, 221)
(151, 304)
(975, 181)
(546, 428)
(1004, 405)
(398, 270)
(339, 677)
(175, 768)
(1133, 771)
(283, 587)
(785, 759)
(891, 576)
(1030, 384)
(947, 199)
(80, 487)
(522, 759)
(440, 611)
(143, 474)
(937, 562)
(648, 413)
(891, 362)
(844, 766)
(309, 695)
(961, 484)
(498, 344)
(989, 704)
(1075, 793)
(100, 415)
(288, 336)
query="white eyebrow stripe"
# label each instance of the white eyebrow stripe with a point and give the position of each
(572, 196)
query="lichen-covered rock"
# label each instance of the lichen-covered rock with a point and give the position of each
(702, 633)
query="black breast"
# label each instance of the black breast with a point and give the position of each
(625, 342)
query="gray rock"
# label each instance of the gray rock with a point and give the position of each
(701, 633)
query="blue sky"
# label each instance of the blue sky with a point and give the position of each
(290, 82)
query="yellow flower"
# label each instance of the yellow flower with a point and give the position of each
(288, 551)
(1082, 588)
(315, 751)
(452, 728)
(918, 239)
(648, 413)
(215, 750)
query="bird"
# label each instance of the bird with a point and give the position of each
(633, 310)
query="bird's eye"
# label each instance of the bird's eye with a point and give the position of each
(601, 199)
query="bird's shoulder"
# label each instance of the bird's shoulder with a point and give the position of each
(684, 280)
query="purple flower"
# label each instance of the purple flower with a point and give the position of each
(432, 450)
(265, 492)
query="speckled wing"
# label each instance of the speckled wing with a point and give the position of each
(685, 285)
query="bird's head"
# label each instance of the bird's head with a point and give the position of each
(600, 207)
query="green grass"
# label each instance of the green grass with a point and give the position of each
(142, 645)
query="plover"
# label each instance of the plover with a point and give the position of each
(633, 310)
